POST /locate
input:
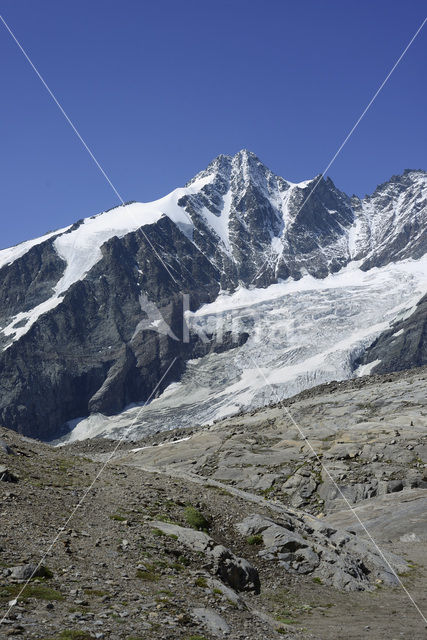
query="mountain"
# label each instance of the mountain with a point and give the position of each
(92, 315)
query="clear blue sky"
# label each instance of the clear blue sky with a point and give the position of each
(159, 88)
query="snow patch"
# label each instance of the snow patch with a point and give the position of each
(365, 369)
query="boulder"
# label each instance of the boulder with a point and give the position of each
(237, 572)
(212, 621)
(27, 571)
(6, 475)
(5, 448)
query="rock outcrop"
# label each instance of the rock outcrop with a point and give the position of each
(305, 545)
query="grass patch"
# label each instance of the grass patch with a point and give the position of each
(201, 582)
(65, 465)
(317, 580)
(163, 518)
(184, 560)
(72, 634)
(267, 492)
(95, 592)
(118, 518)
(221, 490)
(196, 519)
(253, 540)
(285, 619)
(39, 591)
(148, 574)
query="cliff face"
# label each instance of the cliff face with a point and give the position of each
(404, 346)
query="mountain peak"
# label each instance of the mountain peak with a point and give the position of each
(245, 154)
(242, 162)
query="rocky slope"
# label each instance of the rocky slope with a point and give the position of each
(77, 333)
(133, 562)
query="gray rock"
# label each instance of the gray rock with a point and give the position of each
(5, 448)
(212, 621)
(27, 571)
(236, 572)
(227, 592)
(305, 545)
(6, 475)
(387, 517)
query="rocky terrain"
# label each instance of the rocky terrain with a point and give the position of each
(77, 336)
(242, 529)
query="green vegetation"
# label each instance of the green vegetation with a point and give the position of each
(267, 492)
(65, 464)
(148, 573)
(317, 580)
(72, 634)
(196, 519)
(256, 539)
(118, 518)
(40, 591)
(95, 592)
(184, 560)
(220, 490)
(285, 619)
(164, 518)
(201, 582)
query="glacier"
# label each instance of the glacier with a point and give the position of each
(301, 334)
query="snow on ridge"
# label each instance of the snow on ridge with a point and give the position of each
(220, 224)
(81, 248)
(11, 254)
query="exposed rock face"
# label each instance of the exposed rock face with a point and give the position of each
(368, 433)
(302, 544)
(258, 227)
(403, 346)
(391, 223)
(83, 355)
(71, 301)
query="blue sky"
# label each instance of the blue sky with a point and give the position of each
(158, 89)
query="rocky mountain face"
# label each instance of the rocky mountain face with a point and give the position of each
(390, 225)
(91, 316)
(403, 346)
